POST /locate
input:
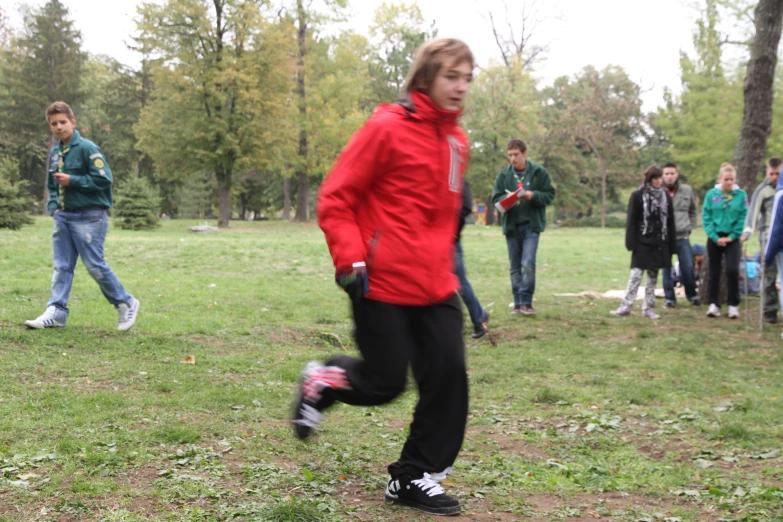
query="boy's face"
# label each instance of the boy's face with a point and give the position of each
(517, 158)
(62, 126)
(451, 85)
(670, 175)
(773, 174)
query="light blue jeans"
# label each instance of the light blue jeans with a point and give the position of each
(522, 247)
(82, 233)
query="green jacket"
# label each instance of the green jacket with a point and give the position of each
(91, 179)
(724, 215)
(537, 179)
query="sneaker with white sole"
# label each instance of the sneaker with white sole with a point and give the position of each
(424, 494)
(713, 311)
(51, 318)
(127, 313)
(311, 399)
(621, 312)
(734, 312)
(650, 314)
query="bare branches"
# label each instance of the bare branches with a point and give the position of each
(520, 47)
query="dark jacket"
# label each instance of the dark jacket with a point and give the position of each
(650, 251)
(467, 207)
(534, 211)
(91, 178)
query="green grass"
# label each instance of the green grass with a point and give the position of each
(575, 414)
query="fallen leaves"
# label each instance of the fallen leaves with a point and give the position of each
(188, 360)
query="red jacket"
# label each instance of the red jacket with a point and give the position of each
(393, 200)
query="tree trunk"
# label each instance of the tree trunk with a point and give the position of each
(287, 199)
(490, 211)
(303, 190)
(757, 115)
(302, 199)
(224, 194)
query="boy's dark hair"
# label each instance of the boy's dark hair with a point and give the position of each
(671, 165)
(59, 107)
(517, 144)
(651, 173)
(775, 162)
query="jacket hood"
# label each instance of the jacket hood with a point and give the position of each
(737, 187)
(420, 106)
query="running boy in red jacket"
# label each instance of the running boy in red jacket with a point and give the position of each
(408, 160)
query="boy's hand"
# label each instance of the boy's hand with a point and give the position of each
(356, 283)
(62, 179)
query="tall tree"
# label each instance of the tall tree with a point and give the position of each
(701, 124)
(41, 65)
(397, 31)
(220, 88)
(758, 92)
(503, 104)
(518, 41)
(600, 112)
(308, 22)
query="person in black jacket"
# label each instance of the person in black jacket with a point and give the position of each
(651, 237)
(478, 316)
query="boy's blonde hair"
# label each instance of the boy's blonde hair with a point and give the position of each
(726, 167)
(430, 57)
(59, 107)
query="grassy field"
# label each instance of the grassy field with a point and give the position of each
(575, 415)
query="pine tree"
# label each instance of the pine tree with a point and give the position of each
(136, 205)
(40, 65)
(15, 202)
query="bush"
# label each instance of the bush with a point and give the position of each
(137, 205)
(15, 202)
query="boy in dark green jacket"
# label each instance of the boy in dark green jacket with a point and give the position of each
(79, 182)
(524, 221)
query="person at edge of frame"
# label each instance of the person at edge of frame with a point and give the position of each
(758, 218)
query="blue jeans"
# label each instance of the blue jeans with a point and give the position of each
(466, 291)
(779, 263)
(82, 233)
(522, 247)
(685, 257)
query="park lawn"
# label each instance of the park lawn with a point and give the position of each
(574, 415)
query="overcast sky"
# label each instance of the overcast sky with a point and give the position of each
(644, 37)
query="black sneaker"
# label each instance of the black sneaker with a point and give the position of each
(423, 494)
(670, 304)
(695, 301)
(482, 329)
(311, 399)
(770, 317)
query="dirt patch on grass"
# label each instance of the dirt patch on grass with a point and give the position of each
(506, 443)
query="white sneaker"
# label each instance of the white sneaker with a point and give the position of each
(51, 318)
(713, 311)
(127, 314)
(733, 312)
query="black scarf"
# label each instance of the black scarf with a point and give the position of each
(654, 202)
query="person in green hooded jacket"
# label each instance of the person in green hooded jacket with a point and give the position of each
(524, 221)
(723, 218)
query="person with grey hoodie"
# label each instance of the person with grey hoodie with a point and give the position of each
(758, 219)
(685, 216)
